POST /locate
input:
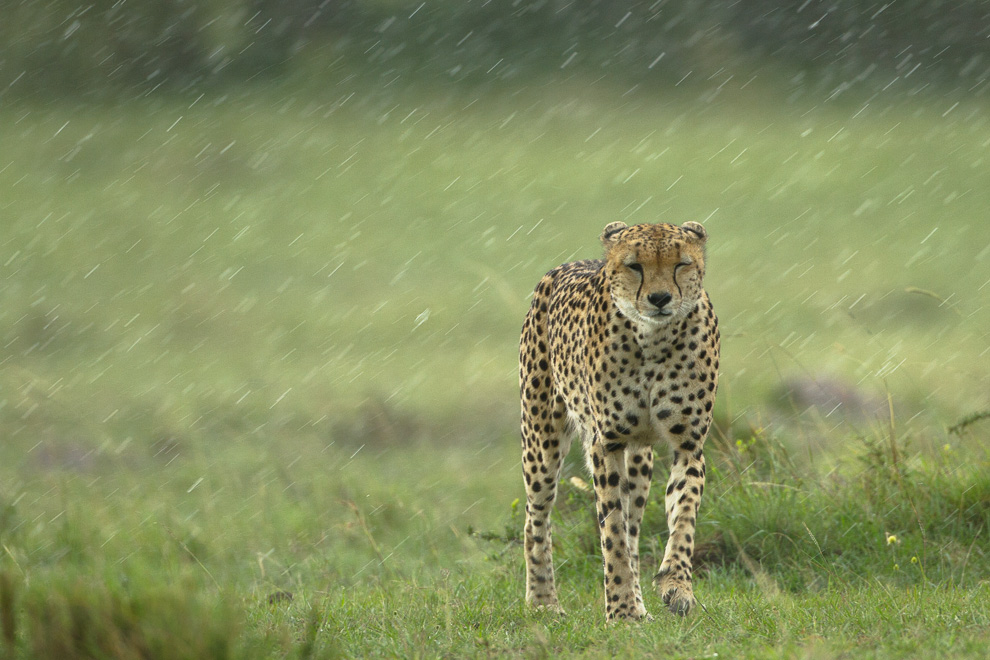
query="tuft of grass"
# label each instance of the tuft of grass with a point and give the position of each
(85, 618)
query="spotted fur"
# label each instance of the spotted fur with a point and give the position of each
(625, 351)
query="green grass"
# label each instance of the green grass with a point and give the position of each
(316, 550)
(263, 344)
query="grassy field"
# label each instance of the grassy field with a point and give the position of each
(258, 376)
(311, 549)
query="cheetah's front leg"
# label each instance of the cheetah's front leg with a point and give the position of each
(687, 483)
(639, 466)
(609, 467)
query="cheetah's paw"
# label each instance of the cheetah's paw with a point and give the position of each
(676, 593)
(548, 607)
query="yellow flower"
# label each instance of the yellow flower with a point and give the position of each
(892, 538)
(914, 560)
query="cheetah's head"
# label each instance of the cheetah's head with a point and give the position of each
(655, 272)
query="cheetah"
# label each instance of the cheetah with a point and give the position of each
(625, 351)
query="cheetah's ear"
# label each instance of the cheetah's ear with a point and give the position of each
(697, 229)
(611, 231)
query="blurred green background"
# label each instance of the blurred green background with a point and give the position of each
(249, 216)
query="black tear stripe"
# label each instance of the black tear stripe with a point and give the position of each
(642, 281)
(679, 294)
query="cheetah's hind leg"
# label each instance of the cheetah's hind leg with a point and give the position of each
(545, 443)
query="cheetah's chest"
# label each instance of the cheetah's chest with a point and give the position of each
(653, 388)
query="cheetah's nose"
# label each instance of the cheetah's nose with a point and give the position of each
(659, 300)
